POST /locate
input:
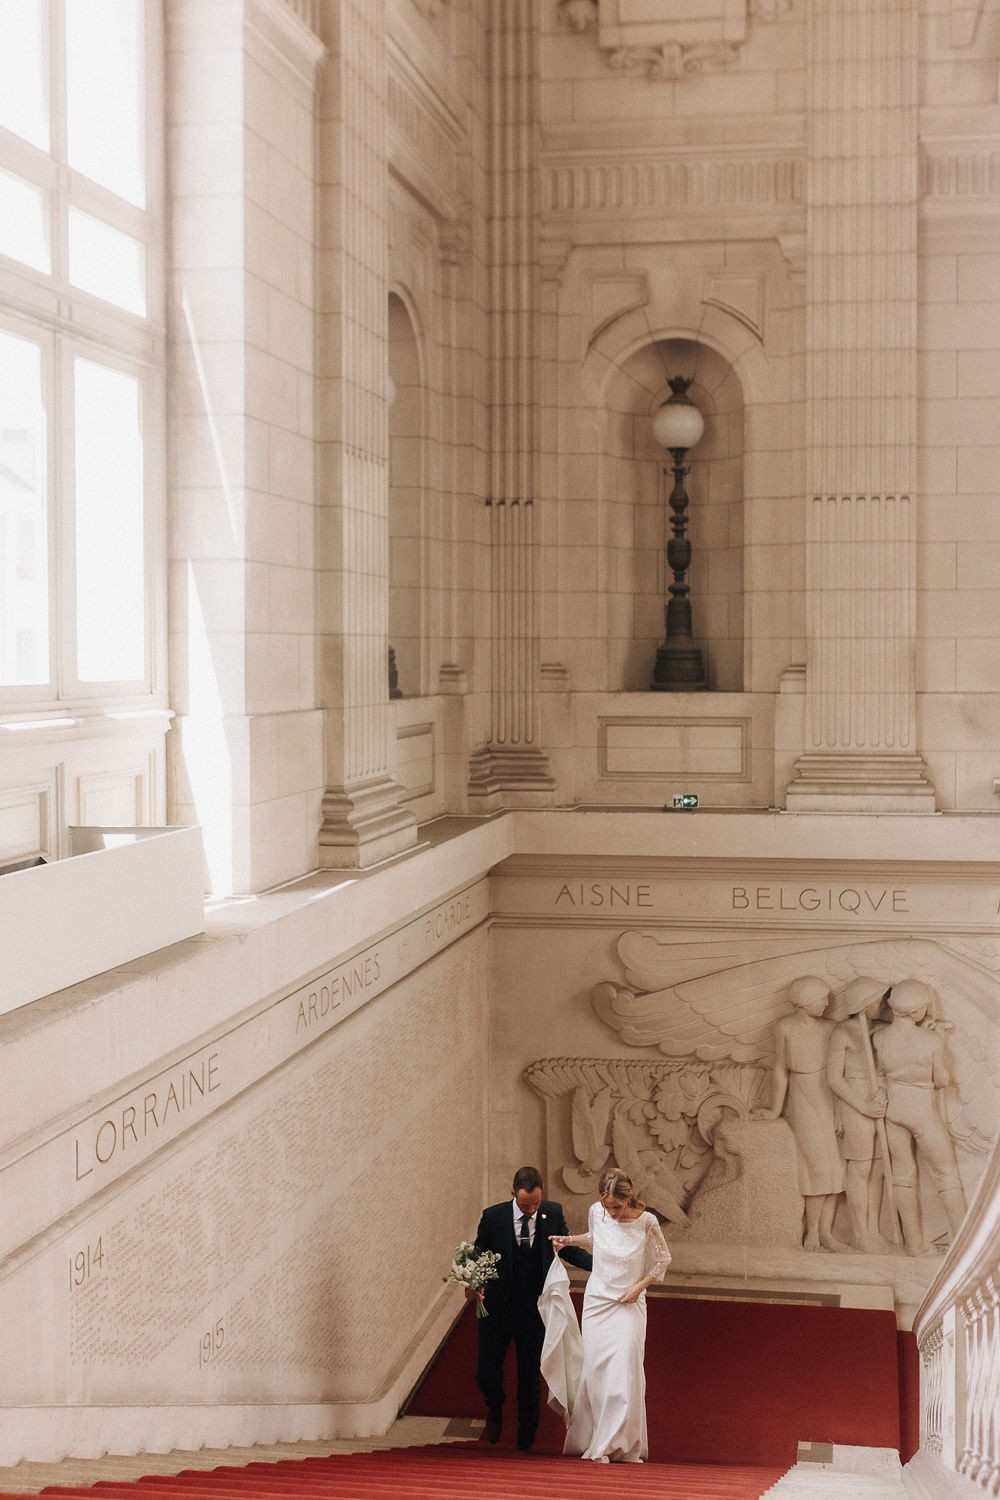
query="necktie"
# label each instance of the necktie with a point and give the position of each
(524, 1242)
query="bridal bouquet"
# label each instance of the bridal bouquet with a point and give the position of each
(474, 1268)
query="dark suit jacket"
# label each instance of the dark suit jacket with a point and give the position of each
(496, 1232)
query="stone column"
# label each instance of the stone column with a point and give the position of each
(512, 771)
(860, 751)
(363, 821)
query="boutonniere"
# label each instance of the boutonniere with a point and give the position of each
(543, 1216)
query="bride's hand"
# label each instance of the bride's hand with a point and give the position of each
(560, 1241)
(632, 1295)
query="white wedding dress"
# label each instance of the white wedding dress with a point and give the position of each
(609, 1414)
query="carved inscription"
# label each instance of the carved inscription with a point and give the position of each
(447, 920)
(618, 894)
(880, 900)
(143, 1113)
(119, 1135)
(541, 891)
(328, 994)
(88, 1261)
(248, 1252)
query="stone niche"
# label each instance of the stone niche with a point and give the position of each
(648, 1016)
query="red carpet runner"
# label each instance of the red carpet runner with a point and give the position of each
(449, 1471)
(731, 1382)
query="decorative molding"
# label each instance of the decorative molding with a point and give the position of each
(452, 678)
(960, 169)
(554, 677)
(652, 183)
(611, 295)
(289, 28)
(742, 296)
(501, 777)
(424, 132)
(553, 258)
(663, 747)
(420, 760)
(27, 824)
(672, 61)
(363, 824)
(868, 782)
(793, 248)
(112, 796)
(454, 239)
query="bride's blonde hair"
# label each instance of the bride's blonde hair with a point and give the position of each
(616, 1184)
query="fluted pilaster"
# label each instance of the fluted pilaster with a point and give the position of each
(362, 819)
(513, 770)
(860, 747)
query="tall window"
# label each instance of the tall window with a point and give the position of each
(81, 350)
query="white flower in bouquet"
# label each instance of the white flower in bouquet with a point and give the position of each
(473, 1268)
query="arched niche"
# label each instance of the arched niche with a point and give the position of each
(637, 484)
(407, 603)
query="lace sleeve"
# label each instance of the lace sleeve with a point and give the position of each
(586, 1240)
(657, 1251)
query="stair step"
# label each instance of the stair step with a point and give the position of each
(445, 1471)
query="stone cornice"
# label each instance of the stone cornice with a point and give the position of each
(735, 132)
(290, 28)
(425, 131)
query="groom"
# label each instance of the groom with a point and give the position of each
(519, 1231)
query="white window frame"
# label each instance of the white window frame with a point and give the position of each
(69, 323)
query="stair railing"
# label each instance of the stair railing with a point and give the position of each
(957, 1329)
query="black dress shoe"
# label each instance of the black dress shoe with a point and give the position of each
(524, 1439)
(494, 1423)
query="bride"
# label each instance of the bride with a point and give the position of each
(608, 1422)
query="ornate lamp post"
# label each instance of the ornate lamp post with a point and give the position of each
(678, 426)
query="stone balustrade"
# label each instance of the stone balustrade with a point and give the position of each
(958, 1335)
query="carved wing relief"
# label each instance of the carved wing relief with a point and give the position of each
(688, 1121)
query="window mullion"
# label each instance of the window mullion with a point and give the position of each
(58, 208)
(64, 553)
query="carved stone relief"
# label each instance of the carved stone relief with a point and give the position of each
(684, 38)
(808, 1091)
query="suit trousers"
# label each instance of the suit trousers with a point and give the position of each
(518, 1319)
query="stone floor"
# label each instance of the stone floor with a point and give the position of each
(833, 1472)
